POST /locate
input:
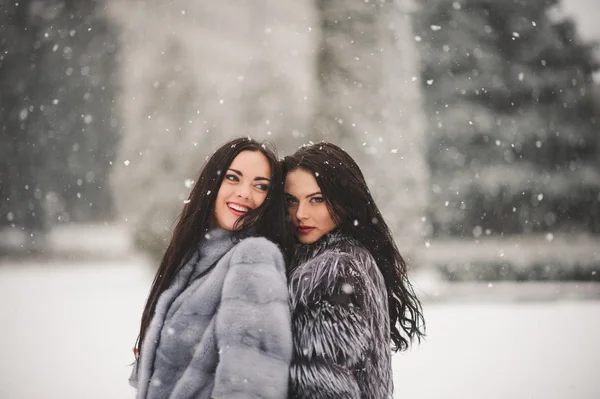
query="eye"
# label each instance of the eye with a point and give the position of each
(290, 200)
(262, 187)
(317, 200)
(231, 177)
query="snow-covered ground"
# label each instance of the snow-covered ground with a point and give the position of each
(511, 350)
(68, 328)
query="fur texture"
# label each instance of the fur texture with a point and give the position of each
(221, 334)
(340, 322)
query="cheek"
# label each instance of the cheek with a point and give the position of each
(221, 191)
(291, 216)
(258, 198)
(325, 218)
(220, 199)
(290, 212)
(219, 204)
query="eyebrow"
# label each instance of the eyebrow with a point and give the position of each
(308, 196)
(256, 178)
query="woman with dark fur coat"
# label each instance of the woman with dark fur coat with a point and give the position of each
(217, 321)
(348, 283)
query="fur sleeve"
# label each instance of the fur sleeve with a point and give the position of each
(253, 325)
(332, 333)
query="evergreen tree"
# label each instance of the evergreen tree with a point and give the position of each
(22, 158)
(77, 124)
(514, 138)
(57, 130)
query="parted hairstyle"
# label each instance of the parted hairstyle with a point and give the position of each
(352, 207)
(196, 218)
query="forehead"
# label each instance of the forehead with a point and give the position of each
(251, 163)
(300, 182)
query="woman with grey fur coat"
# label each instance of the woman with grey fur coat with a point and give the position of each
(348, 284)
(217, 321)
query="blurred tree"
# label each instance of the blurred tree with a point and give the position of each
(369, 103)
(22, 159)
(78, 116)
(514, 139)
(195, 74)
(282, 70)
(58, 135)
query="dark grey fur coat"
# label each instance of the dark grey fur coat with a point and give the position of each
(340, 322)
(221, 334)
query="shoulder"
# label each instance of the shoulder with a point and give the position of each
(339, 263)
(344, 256)
(253, 250)
(360, 263)
(256, 263)
(335, 264)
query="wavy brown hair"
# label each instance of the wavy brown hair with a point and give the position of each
(352, 207)
(267, 220)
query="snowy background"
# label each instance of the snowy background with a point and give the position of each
(476, 124)
(68, 326)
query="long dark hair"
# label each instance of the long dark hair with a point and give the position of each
(353, 209)
(267, 220)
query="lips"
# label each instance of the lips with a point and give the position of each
(305, 229)
(237, 209)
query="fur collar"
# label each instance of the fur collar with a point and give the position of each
(330, 241)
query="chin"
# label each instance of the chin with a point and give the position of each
(307, 240)
(228, 224)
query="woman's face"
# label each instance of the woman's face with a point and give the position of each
(306, 206)
(244, 187)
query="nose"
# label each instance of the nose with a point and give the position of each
(243, 191)
(301, 212)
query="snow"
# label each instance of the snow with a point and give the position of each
(77, 240)
(517, 250)
(68, 329)
(582, 12)
(529, 350)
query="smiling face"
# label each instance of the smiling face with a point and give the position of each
(306, 206)
(244, 187)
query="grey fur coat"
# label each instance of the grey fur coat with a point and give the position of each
(340, 322)
(224, 333)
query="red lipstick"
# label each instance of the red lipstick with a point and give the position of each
(305, 229)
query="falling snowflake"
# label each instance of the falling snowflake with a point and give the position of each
(348, 288)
